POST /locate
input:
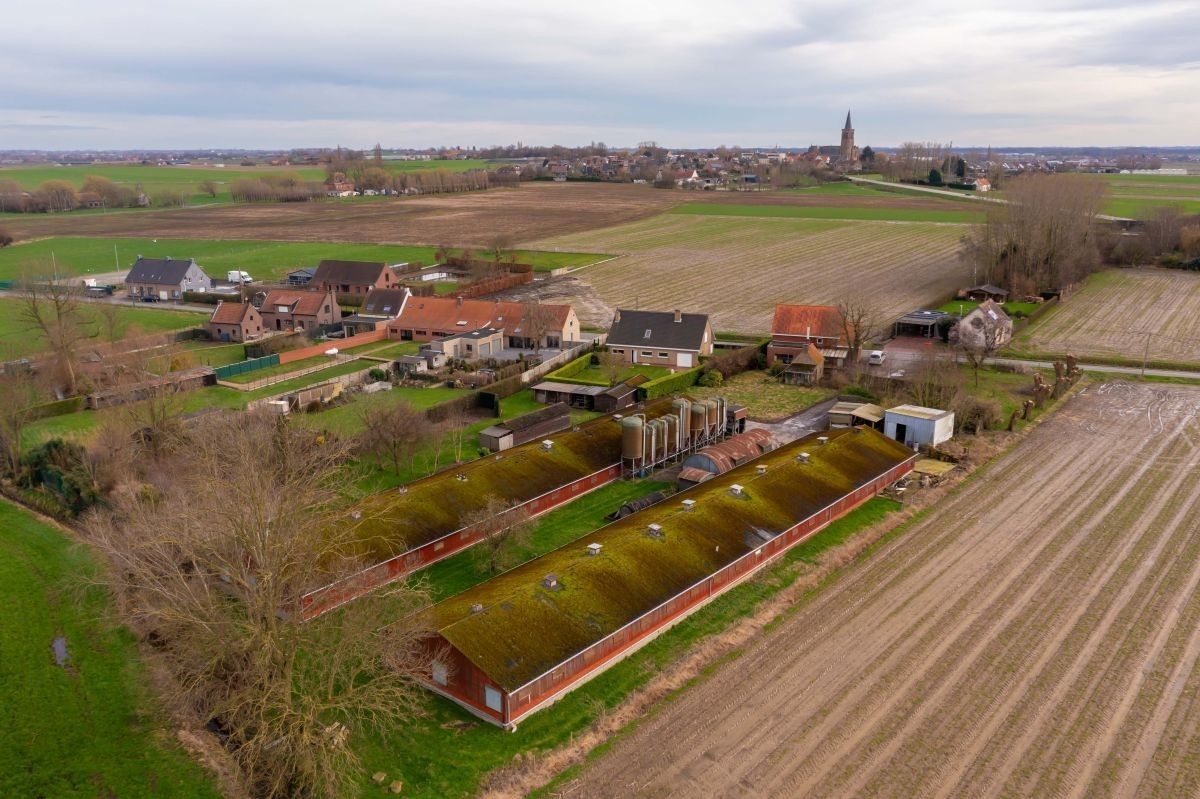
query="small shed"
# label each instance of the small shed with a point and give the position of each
(576, 396)
(986, 292)
(806, 367)
(525, 428)
(914, 425)
(410, 364)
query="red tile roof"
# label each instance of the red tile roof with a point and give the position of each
(808, 320)
(445, 313)
(230, 313)
(301, 303)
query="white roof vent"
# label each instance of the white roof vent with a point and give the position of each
(822, 440)
(688, 504)
(594, 549)
(477, 608)
(736, 490)
(355, 515)
(760, 469)
(547, 445)
(655, 531)
(550, 581)
(802, 457)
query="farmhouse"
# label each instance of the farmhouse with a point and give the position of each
(660, 338)
(285, 309)
(795, 327)
(165, 278)
(985, 328)
(721, 457)
(353, 277)
(379, 307)
(234, 321)
(525, 428)
(519, 641)
(423, 523)
(913, 424)
(524, 325)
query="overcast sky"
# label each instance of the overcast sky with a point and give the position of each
(290, 73)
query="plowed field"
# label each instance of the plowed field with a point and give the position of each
(738, 268)
(1036, 634)
(1115, 311)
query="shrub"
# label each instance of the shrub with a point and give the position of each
(860, 391)
(377, 374)
(711, 379)
(669, 384)
(6, 238)
(976, 415)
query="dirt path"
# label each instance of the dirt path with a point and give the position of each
(1038, 634)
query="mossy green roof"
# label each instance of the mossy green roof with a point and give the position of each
(525, 629)
(393, 522)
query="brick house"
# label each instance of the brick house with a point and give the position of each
(660, 338)
(284, 309)
(165, 278)
(234, 321)
(353, 277)
(380, 306)
(795, 327)
(431, 318)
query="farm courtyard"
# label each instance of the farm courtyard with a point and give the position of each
(1035, 634)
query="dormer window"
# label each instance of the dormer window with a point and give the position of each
(647, 333)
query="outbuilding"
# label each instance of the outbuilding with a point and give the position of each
(525, 428)
(913, 425)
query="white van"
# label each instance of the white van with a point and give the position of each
(876, 357)
(235, 276)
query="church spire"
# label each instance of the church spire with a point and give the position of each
(848, 125)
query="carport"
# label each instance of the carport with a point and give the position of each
(921, 322)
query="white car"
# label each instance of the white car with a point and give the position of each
(876, 357)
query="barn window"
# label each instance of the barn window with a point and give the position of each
(491, 698)
(439, 672)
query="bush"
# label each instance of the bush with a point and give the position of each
(6, 238)
(60, 467)
(976, 415)
(669, 384)
(859, 391)
(711, 379)
(378, 375)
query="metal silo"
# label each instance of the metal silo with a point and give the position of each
(631, 441)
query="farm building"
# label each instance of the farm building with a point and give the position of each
(301, 277)
(806, 368)
(421, 523)
(524, 324)
(165, 278)
(521, 640)
(234, 321)
(353, 277)
(795, 327)
(720, 458)
(921, 322)
(380, 306)
(525, 428)
(912, 425)
(851, 413)
(985, 292)
(660, 338)
(592, 398)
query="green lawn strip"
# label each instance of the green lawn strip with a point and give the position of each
(87, 729)
(262, 259)
(19, 339)
(1014, 309)
(434, 760)
(346, 418)
(518, 404)
(385, 349)
(829, 212)
(593, 375)
(281, 369)
(1140, 208)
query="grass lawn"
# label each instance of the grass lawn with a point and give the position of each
(1008, 388)
(346, 418)
(86, 729)
(262, 259)
(385, 349)
(282, 369)
(829, 212)
(206, 353)
(18, 339)
(436, 757)
(765, 398)
(1016, 310)
(593, 374)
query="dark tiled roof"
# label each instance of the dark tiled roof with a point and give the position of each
(164, 271)
(383, 302)
(361, 273)
(630, 330)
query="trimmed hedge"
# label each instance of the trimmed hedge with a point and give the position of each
(571, 368)
(662, 386)
(57, 408)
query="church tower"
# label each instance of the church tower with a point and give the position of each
(848, 153)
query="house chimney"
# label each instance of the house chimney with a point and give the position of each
(617, 316)
(678, 316)
(736, 490)
(688, 504)
(594, 549)
(550, 581)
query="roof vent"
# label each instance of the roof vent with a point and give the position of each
(355, 515)
(822, 440)
(688, 504)
(736, 490)
(402, 490)
(594, 549)
(802, 457)
(761, 469)
(655, 531)
(550, 581)
(477, 608)
(462, 478)
(618, 417)
(547, 445)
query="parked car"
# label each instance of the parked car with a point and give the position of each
(876, 357)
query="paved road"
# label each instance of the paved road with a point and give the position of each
(1095, 367)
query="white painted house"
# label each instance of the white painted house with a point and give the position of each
(914, 425)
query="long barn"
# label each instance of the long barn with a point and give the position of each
(519, 641)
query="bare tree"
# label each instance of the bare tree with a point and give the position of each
(394, 432)
(53, 308)
(933, 382)
(979, 339)
(208, 187)
(18, 393)
(536, 322)
(108, 314)
(213, 563)
(859, 321)
(6, 238)
(612, 366)
(504, 533)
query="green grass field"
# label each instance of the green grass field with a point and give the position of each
(1137, 196)
(264, 260)
(85, 729)
(1013, 309)
(18, 339)
(829, 212)
(186, 179)
(594, 375)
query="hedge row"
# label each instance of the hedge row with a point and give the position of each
(570, 368)
(57, 408)
(662, 386)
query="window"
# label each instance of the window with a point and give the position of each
(664, 355)
(647, 333)
(326, 309)
(440, 675)
(618, 352)
(646, 354)
(491, 698)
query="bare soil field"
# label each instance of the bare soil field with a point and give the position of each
(738, 268)
(535, 210)
(1035, 634)
(1115, 310)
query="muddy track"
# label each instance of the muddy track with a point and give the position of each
(1035, 635)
